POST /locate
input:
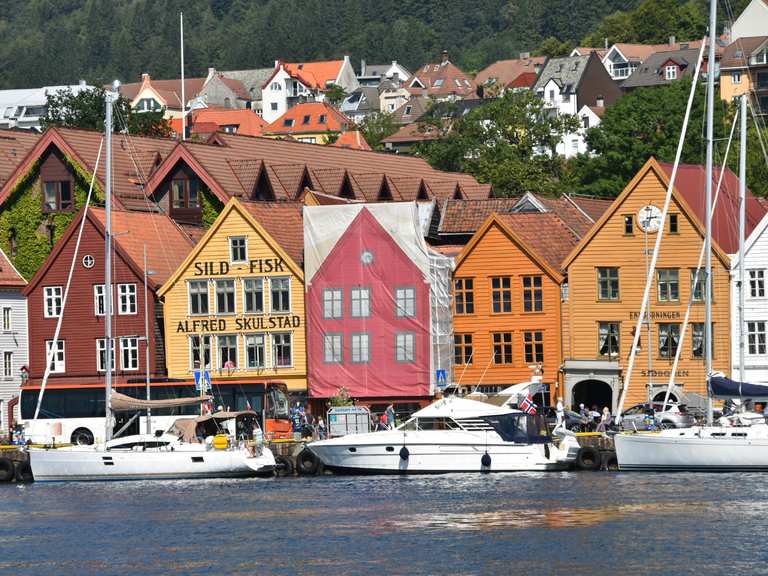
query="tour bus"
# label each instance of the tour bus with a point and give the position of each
(75, 413)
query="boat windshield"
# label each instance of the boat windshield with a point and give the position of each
(430, 424)
(519, 428)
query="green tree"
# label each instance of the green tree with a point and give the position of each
(646, 122)
(85, 109)
(552, 48)
(335, 95)
(377, 126)
(509, 142)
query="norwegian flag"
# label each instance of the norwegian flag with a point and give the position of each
(528, 405)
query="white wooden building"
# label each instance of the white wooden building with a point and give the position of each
(14, 351)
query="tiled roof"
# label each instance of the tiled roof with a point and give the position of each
(309, 117)
(570, 214)
(247, 121)
(567, 72)
(252, 80)
(594, 206)
(167, 245)
(586, 50)
(315, 75)
(283, 221)
(545, 233)
(9, 276)
(412, 110)
(352, 139)
(651, 73)
(504, 72)
(414, 132)
(440, 79)
(169, 90)
(14, 146)
(725, 219)
(466, 216)
(736, 54)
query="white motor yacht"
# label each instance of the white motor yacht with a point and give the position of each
(453, 435)
(220, 445)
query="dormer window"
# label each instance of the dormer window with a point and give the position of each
(408, 110)
(306, 119)
(670, 72)
(288, 122)
(57, 196)
(184, 194)
(760, 58)
(323, 118)
(438, 83)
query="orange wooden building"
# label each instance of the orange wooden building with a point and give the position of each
(507, 301)
(606, 278)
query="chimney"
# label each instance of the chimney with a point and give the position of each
(537, 68)
(600, 101)
(277, 64)
(525, 55)
(211, 74)
(672, 41)
(362, 67)
(605, 43)
(81, 83)
(444, 57)
(145, 77)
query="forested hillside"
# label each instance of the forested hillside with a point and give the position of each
(61, 41)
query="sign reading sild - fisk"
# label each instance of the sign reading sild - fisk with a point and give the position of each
(236, 305)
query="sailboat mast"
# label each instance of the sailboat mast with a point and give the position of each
(711, 65)
(742, 229)
(183, 94)
(109, 98)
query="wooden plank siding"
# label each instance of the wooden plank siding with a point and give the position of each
(213, 251)
(497, 254)
(609, 246)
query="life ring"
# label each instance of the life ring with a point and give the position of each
(283, 466)
(588, 458)
(609, 462)
(24, 472)
(307, 462)
(6, 470)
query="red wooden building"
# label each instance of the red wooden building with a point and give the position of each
(80, 357)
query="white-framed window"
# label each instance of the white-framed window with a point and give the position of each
(735, 77)
(7, 319)
(276, 86)
(238, 249)
(757, 283)
(253, 295)
(405, 302)
(99, 301)
(225, 296)
(574, 144)
(333, 303)
(101, 354)
(198, 297)
(361, 349)
(127, 298)
(670, 72)
(227, 351)
(58, 364)
(129, 353)
(756, 338)
(282, 350)
(405, 347)
(333, 348)
(280, 294)
(7, 364)
(361, 302)
(255, 350)
(52, 296)
(200, 352)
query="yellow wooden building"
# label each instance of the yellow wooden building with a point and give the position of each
(236, 304)
(606, 278)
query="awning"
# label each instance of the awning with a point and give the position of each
(123, 403)
(726, 388)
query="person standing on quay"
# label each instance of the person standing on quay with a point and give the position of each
(560, 411)
(390, 412)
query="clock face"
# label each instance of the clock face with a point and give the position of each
(649, 218)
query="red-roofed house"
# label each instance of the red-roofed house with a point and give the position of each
(503, 75)
(14, 350)
(352, 139)
(295, 82)
(309, 122)
(243, 121)
(440, 81)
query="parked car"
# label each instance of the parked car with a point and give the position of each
(572, 420)
(641, 416)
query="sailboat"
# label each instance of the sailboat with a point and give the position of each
(736, 444)
(219, 445)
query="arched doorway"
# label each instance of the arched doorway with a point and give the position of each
(660, 397)
(592, 393)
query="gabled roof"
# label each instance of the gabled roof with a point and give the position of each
(363, 99)
(9, 276)
(283, 221)
(439, 78)
(738, 53)
(414, 132)
(503, 73)
(167, 244)
(592, 206)
(352, 139)
(169, 90)
(586, 50)
(650, 166)
(252, 80)
(314, 75)
(691, 179)
(309, 118)
(234, 205)
(567, 72)
(412, 110)
(651, 72)
(14, 146)
(248, 123)
(467, 216)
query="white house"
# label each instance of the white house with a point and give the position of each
(575, 143)
(14, 350)
(755, 306)
(295, 82)
(374, 74)
(753, 21)
(25, 108)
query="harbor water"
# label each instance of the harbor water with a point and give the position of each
(563, 523)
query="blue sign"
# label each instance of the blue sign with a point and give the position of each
(202, 380)
(442, 378)
(207, 380)
(197, 380)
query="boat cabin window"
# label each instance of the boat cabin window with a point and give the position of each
(431, 424)
(519, 428)
(138, 444)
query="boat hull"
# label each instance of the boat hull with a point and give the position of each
(57, 465)
(694, 450)
(382, 455)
